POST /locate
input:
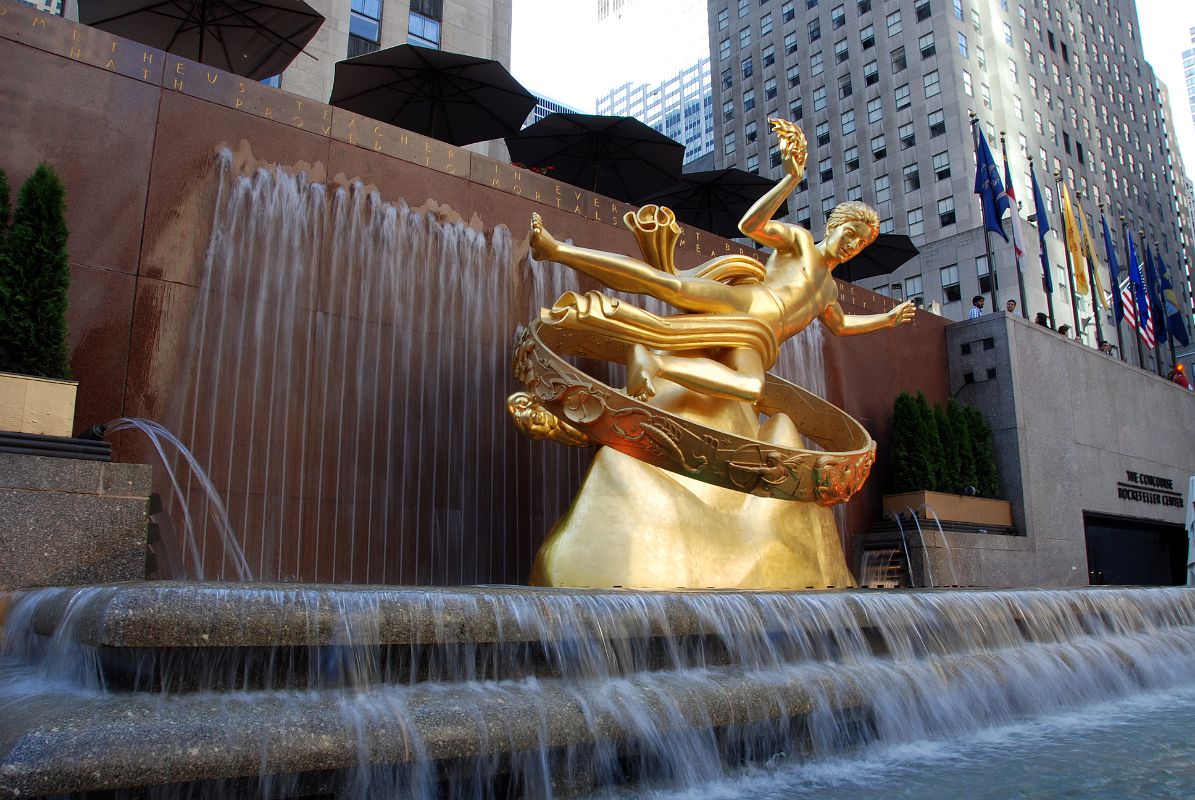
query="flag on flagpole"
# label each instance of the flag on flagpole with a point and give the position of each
(1174, 315)
(1130, 312)
(987, 185)
(1142, 300)
(1156, 316)
(1071, 231)
(1118, 309)
(1043, 225)
(1018, 239)
(1093, 261)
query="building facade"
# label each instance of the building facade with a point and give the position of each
(883, 88)
(681, 108)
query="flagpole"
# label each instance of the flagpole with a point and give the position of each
(1162, 310)
(1095, 304)
(987, 234)
(1124, 224)
(1070, 268)
(1045, 258)
(1020, 276)
(1149, 294)
(1115, 288)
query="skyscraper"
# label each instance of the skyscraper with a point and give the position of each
(883, 89)
(1189, 75)
(681, 107)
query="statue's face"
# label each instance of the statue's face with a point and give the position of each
(844, 242)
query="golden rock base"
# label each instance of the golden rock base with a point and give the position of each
(637, 526)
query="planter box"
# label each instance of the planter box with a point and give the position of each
(953, 507)
(37, 405)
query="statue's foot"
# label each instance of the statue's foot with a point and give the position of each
(642, 366)
(543, 244)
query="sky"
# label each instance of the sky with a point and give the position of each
(552, 60)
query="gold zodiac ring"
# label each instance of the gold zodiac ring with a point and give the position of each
(588, 412)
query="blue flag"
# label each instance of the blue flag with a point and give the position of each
(1151, 286)
(1043, 225)
(1137, 281)
(1174, 315)
(989, 186)
(1114, 269)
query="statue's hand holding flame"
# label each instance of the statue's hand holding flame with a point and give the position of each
(793, 147)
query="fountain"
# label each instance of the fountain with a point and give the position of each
(283, 689)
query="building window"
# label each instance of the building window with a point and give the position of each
(774, 157)
(845, 89)
(867, 37)
(822, 133)
(724, 50)
(871, 73)
(788, 11)
(819, 99)
(748, 67)
(864, 6)
(790, 43)
(855, 193)
(898, 59)
(769, 56)
(908, 136)
(851, 156)
(748, 100)
(765, 26)
(815, 30)
(962, 44)
(984, 92)
(951, 292)
(744, 38)
(727, 79)
(827, 207)
(942, 165)
(922, 9)
(875, 110)
(365, 27)
(967, 88)
(886, 225)
(894, 26)
(423, 24)
(912, 178)
(1017, 108)
(946, 211)
(878, 149)
(902, 96)
(728, 145)
(838, 17)
(985, 277)
(723, 19)
(1008, 34)
(744, 8)
(825, 168)
(796, 110)
(958, 9)
(750, 132)
(913, 286)
(769, 89)
(728, 111)
(916, 222)
(848, 122)
(883, 188)
(841, 53)
(933, 84)
(753, 164)
(794, 75)
(1012, 69)
(927, 45)
(816, 65)
(803, 218)
(937, 123)
(981, 57)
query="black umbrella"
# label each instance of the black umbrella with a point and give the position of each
(881, 257)
(254, 38)
(452, 97)
(619, 157)
(716, 200)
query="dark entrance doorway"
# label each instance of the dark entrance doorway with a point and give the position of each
(1122, 551)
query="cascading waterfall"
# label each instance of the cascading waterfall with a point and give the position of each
(344, 385)
(471, 693)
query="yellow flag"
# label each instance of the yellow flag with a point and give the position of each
(1096, 267)
(1072, 243)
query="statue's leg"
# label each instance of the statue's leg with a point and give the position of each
(737, 375)
(627, 274)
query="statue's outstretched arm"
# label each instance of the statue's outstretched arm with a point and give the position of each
(626, 274)
(841, 324)
(757, 223)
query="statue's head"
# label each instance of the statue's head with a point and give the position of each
(850, 227)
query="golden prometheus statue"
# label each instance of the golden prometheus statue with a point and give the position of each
(689, 490)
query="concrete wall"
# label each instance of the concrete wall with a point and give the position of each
(133, 132)
(1069, 423)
